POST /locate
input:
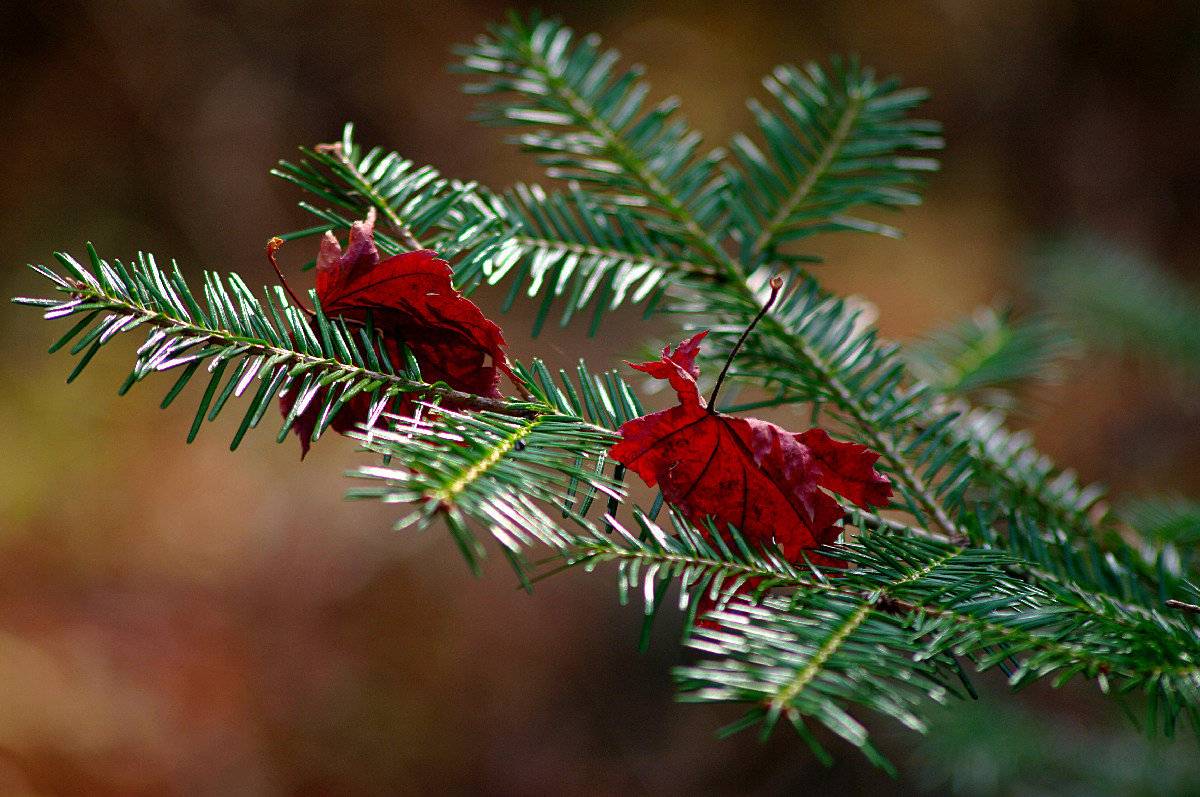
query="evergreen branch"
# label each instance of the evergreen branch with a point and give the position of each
(961, 601)
(841, 131)
(863, 636)
(1004, 565)
(702, 562)
(337, 151)
(495, 469)
(573, 246)
(884, 408)
(422, 208)
(537, 63)
(834, 147)
(1021, 476)
(1115, 299)
(570, 85)
(936, 452)
(500, 469)
(809, 345)
(276, 344)
(1164, 519)
(986, 356)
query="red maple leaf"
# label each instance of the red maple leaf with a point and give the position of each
(410, 298)
(744, 472)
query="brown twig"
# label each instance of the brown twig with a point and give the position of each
(457, 399)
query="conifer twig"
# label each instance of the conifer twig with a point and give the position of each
(338, 153)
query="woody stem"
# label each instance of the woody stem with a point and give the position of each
(776, 284)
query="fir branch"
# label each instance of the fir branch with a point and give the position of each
(572, 246)
(841, 132)
(1116, 299)
(933, 466)
(835, 145)
(584, 250)
(275, 344)
(1002, 566)
(988, 356)
(1021, 476)
(570, 85)
(540, 55)
(492, 468)
(337, 151)
(929, 602)
(699, 560)
(1170, 518)
(810, 345)
(970, 591)
(422, 209)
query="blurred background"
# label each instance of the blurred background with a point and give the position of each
(185, 620)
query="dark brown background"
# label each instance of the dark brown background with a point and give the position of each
(186, 620)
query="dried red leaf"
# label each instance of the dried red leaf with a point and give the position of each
(409, 298)
(752, 474)
(848, 469)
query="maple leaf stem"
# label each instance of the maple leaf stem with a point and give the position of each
(338, 153)
(272, 246)
(1187, 607)
(776, 284)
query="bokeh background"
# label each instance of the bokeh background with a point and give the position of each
(181, 619)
